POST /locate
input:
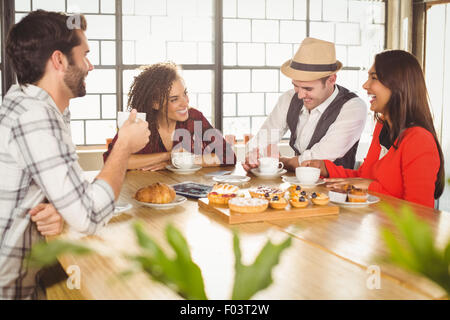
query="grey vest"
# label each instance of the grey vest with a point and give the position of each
(325, 121)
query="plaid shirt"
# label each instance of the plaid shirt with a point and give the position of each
(38, 161)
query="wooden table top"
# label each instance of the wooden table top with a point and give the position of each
(328, 259)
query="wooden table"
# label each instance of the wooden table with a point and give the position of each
(328, 259)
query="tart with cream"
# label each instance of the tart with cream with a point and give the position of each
(264, 192)
(320, 199)
(278, 203)
(222, 193)
(299, 202)
(248, 205)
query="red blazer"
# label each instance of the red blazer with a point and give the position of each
(408, 172)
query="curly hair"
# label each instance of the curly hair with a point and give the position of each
(32, 41)
(150, 91)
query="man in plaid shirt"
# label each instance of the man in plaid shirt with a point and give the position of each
(38, 161)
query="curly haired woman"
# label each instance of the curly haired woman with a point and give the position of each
(159, 91)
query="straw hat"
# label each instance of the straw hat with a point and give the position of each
(314, 59)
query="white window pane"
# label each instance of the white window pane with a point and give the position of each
(204, 104)
(257, 123)
(205, 52)
(87, 107)
(285, 83)
(349, 79)
(136, 28)
(22, 5)
(250, 104)
(379, 12)
(19, 16)
(251, 8)
(109, 106)
(77, 131)
(101, 27)
(197, 29)
(323, 31)
(277, 54)
(265, 81)
(265, 31)
(299, 9)
(50, 5)
(150, 51)
(230, 54)
(198, 81)
(182, 52)
(205, 8)
(108, 53)
(315, 10)
(237, 126)
(128, 78)
(292, 31)
(271, 101)
(181, 8)
(229, 104)
(145, 7)
(167, 28)
(279, 9)
(358, 11)
(341, 54)
(236, 80)
(251, 54)
(348, 34)
(127, 7)
(108, 6)
(335, 10)
(97, 131)
(82, 6)
(235, 30)
(94, 53)
(101, 81)
(230, 8)
(129, 52)
(356, 57)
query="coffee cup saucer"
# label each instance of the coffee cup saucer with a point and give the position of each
(194, 168)
(294, 180)
(257, 172)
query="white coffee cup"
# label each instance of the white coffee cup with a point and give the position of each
(183, 160)
(269, 165)
(123, 116)
(307, 175)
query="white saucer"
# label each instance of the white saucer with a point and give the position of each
(294, 180)
(259, 174)
(178, 200)
(370, 200)
(183, 171)
(231, 179)
(122, 207)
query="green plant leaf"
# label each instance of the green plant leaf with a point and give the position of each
(44, 254)
(180, 273)
(258, 276)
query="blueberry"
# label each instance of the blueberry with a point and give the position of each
(275, 198)
(303, 193)
(267, 195)
(297, 188)
(302, 199)
(314, 195)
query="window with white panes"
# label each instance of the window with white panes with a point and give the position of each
(258, 36)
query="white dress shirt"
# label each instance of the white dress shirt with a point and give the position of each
(340, 137)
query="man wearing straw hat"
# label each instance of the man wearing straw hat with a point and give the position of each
(325, 119)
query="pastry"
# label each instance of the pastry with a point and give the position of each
(264, 192)
(156, 193)
(295, 190)
(357, 195)
(278, 203)
(320, 199)
(299, 202)
(248, 205)
(222, 193)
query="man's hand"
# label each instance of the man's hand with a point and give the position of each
(290, 163)
(251, 160)
(320, 164)
(134, 134)
(48, 221)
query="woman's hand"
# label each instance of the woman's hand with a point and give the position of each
(359, 183)
(320, 164)
(155, 167)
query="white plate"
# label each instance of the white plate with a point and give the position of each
(231, 179)
(183, 171)
(178, 200)
(259, 174)
(294, 180)
(122, 207)
(370, 200)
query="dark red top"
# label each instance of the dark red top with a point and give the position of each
(195, 135)
(408, 173)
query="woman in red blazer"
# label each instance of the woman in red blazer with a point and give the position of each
(405, 159)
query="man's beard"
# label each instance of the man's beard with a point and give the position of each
(74, 80)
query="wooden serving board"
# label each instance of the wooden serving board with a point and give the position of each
(270, 214)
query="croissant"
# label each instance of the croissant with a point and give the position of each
(156, 193)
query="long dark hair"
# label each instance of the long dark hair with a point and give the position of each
(408, 105)
(152, 88)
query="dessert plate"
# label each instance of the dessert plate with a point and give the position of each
(370, 200)
(122, 207)
(262, 175)
(294, 180)
(183, 171)
(177, 201)
(231, 179)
